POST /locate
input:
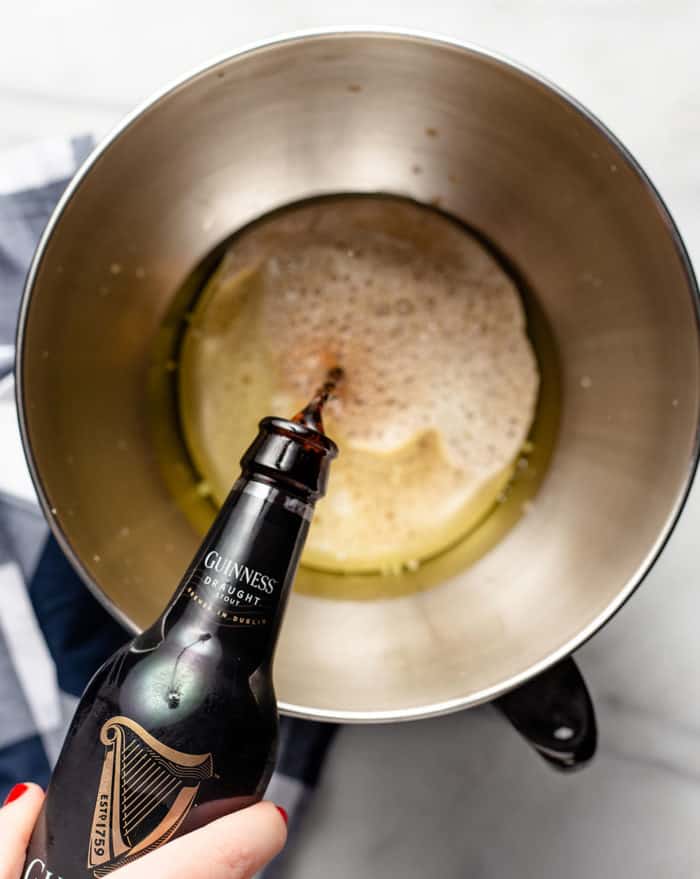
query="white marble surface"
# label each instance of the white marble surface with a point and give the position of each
(461, 795)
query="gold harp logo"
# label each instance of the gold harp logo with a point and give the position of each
(146, 791)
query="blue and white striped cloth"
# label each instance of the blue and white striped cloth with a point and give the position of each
(53, 633)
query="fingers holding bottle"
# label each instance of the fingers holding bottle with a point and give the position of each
(236, 846)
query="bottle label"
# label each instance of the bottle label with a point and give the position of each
(241, 574)
(236, 593)
(145, 792)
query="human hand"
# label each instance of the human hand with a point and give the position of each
(233, 847)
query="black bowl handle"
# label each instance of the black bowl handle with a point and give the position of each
(554, 713)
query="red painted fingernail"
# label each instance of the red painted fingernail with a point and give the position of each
(16, 793)
(283, 813)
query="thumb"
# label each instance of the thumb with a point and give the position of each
(17, 819)
(233, 847)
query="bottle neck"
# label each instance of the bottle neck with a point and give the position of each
(238, 583)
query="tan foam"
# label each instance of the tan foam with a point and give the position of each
(440, 378)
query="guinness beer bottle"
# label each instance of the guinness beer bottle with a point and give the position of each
(180, 726)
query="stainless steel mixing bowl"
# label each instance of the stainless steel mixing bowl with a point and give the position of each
(362, 112)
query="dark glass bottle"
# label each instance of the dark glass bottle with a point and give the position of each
(180, 725)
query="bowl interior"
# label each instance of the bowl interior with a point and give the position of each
(498, 149)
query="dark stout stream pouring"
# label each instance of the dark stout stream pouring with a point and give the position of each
(180, 726)
(312, 414)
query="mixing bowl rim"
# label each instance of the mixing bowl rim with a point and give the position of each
(353, 32)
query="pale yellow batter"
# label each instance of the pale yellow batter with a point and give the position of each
(440, 380)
